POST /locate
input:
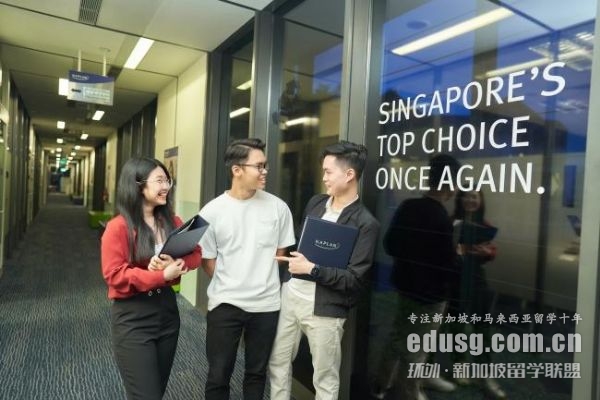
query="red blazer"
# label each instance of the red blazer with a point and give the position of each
(125, 279)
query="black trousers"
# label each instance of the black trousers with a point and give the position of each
(225, 325)
(145, 330)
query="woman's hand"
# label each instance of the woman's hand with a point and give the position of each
(160, 262)
(174, 269)
(482, 249)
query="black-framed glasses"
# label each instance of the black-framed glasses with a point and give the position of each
(260, 167)
(160, 181)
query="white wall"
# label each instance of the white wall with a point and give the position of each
(180, 123)
(110, 177)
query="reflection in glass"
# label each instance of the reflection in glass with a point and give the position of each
(241, 90)
(309, 113)
(308, 110)
(507, 96)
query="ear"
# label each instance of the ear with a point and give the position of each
(350, 174)
(236, 170)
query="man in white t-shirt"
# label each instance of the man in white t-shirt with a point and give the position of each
(248, 228)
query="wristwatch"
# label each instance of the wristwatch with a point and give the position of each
(314, 272)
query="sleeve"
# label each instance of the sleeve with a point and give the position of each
(118, 272)
(352, 279)
(286, 228)
(194, 259)
(208, 242)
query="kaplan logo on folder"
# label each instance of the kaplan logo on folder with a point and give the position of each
(326, 245)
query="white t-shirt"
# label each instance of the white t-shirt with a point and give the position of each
(244, 236)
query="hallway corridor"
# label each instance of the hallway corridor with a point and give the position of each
(54, 318)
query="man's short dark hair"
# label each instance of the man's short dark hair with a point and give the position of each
(351, 154)
(239, 150)
(438, 164)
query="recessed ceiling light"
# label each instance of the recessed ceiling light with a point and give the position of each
(60, 124)
(138, 53)
(453, 31)
(59, 140)
(245, 86)
(98, 115)
(83, 136)
(238, 112)
(63, 86)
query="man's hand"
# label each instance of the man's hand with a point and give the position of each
(298, 264)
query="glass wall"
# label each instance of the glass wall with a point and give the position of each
(308, 117)
(309, 105)
(503, 87)
(241, 90)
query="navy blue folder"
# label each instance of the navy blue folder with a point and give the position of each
(476, 233)
(183, 240)
(327, 243)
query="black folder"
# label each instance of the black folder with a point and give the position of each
(183, 240)
(327, 243)
(472, 233)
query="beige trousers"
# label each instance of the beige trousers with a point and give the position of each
(324, 338)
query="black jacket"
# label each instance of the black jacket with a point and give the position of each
(337, 289)
(420, 238)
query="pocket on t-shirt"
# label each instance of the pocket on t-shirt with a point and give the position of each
(267, 233)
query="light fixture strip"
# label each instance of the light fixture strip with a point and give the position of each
(454, 31)
(238, 112)
(245, 86)
(98, 115)
(63, 87)
(138, 53)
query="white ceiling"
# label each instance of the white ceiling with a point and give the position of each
(40, 40)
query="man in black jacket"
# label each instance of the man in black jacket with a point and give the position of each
(317, 298)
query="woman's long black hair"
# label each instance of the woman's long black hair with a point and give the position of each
(129, 203)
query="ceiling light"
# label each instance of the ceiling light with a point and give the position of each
(73, 153)
(453, 31)
(83, 136)
(517, 67)
(63, 86)
(238, 112)
(245, 86)
(60, 124)
(577, 55)
(58, 149)
(302, 120)
(138, 53)
(59, 140)
(77, 147)
(98, 115)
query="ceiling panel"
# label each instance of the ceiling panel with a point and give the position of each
(198, 24)
(254, 4)
(61, 8)
(130, 16)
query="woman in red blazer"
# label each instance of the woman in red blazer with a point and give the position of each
(144, 313)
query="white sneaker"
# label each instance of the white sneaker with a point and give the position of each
(438, 384)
